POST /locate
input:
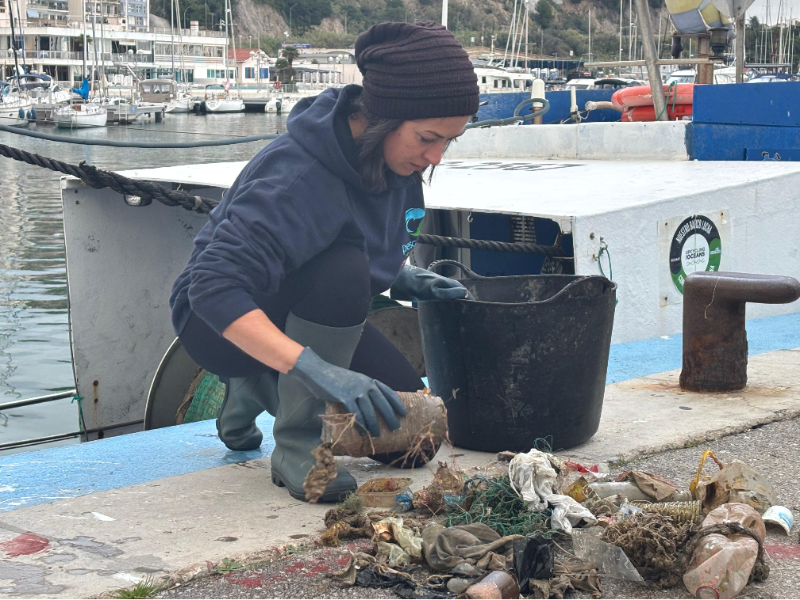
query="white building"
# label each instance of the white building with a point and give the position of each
(51, 41)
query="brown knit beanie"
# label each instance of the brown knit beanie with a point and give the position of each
(415, 72)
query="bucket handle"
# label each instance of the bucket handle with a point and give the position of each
(563, 290)
(446, 261)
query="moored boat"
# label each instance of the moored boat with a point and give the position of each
(81, 116)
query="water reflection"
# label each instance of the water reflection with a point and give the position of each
(35, 356)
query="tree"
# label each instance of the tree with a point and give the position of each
(543, 14)
(754, 23)
(290, 53)
(395, 10)
(280, 65)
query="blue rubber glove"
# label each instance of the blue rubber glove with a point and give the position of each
(414, 283)
(359, 394)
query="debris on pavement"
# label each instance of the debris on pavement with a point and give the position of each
(496, 534)
(497, 584)
(532, 475)
(346, 521)
(780, 516)
(724, 563)
(735, 482)
(475, 544)
(381, 492)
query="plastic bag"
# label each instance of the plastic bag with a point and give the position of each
(607, 558)
(736, 482)
(534, 558)
(534, 479)
(404, 537)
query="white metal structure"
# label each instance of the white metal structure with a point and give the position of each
(552, 172)
(81, 116)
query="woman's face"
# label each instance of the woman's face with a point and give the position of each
(416, 145)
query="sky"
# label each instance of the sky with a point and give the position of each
(758, 8)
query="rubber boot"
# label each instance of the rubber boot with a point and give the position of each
(245, 399)
(298, 425)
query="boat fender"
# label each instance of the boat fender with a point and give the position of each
(278, 105)
(21, 113)
(32, 114)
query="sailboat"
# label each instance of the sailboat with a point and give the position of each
(15, 104)
(82, 115)
(224, 103)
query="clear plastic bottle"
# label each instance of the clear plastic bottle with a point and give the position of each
(721, 565)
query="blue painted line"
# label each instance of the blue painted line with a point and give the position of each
(43, 476)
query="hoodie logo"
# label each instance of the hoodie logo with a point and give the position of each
(414, 217)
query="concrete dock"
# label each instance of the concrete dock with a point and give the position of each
(88, 519)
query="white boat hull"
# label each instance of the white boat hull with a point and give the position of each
(224, 105)
(71, 117)
(183, 105)
(15, 114)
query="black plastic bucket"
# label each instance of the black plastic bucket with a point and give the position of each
(526, 360)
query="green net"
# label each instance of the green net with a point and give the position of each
(207, 399)
(494, 503)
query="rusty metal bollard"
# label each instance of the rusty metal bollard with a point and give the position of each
(714, 336)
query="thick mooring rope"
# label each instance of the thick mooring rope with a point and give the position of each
(144, 191)
(451, 242)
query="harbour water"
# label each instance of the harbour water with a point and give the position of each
(35, 356)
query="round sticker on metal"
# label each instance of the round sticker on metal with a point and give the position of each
(696, 246)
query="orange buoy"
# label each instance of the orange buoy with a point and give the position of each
(641, 95)
(648, 113)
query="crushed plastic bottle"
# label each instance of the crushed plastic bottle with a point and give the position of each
(721, 565)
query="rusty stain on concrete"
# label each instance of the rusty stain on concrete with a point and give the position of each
(22, 545)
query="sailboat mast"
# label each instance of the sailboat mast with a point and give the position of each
(21, 37)
(172, 37)
(14, 46)
(94, 46)
(233, 39)
(85, 43)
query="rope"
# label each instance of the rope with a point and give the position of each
(673, 87)
(604, 250)
(81, 422)
(451, 242)
(120, 144)
(142, 192)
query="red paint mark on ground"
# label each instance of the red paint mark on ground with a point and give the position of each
(22, 545)
(783, 552)
(248, 582)
(277, 579)
(319, 569)
(343, 561)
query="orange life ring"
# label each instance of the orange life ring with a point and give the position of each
(648, 113)
(641, 95)
(277, 85)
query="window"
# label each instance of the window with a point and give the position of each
(495, 84)
(483, 79)
(249, 73)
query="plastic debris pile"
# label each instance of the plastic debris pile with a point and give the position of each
(536, 526)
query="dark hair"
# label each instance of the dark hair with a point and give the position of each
(370, 146)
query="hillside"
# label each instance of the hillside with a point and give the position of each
(556, 26)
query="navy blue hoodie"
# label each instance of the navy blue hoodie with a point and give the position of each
(295, 198)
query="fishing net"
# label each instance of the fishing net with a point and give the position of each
(494, 503)
(203, 399)
(655, 544)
